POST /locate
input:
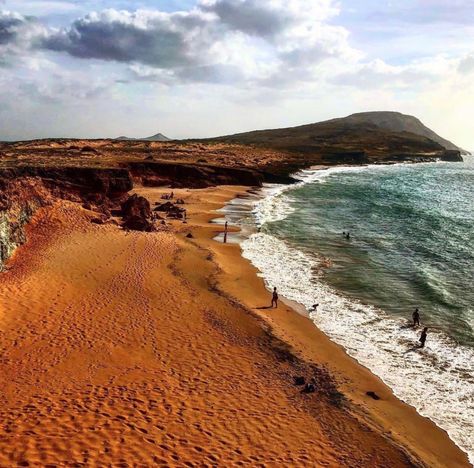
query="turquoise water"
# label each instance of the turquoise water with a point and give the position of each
(412, 239)
(412, 245)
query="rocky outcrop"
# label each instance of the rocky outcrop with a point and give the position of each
(172, 210)
(24, 189)
(346, 157)
(12, 232)
(19, 200)
(156, 174)
(452, 156)
(137, 214)
(83, 182)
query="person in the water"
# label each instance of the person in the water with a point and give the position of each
(423, 335)
(275, 298)
(348, 236)
(416, 318)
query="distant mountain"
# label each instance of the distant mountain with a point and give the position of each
(398, 122)
(157, 137)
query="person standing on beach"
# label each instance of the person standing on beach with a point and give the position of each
(225, 232)
(416, 318)
(423, 335)
(275, 298)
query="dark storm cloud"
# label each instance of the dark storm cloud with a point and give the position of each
(151, 38)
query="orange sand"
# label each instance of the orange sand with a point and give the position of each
(127, 349)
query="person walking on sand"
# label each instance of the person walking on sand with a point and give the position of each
(226, 228)
(275, 298)
(423, 335)
(416, 318)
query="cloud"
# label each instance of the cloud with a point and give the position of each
(379, 74)
(152, 38)
(219, 74)
(211, 41)
(466, 65)
(16, 29)
(253, 17)
(18, 35)
(10, 24)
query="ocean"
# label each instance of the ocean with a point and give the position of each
(411, 245)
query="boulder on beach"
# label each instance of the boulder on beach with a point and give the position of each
(137, 214)
(172, 210)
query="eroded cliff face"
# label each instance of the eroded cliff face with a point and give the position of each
(24, 190)
(19, 200)
(12, 233)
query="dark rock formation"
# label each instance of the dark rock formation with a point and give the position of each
(19, 200)
(346, 157)
(137, 214)
(452, 156)
(172, 210)
(156, 174)
(84, 182)
(136, 206)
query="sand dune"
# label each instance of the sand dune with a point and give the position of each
(116, 350)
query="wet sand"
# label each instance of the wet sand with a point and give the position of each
(133, 349)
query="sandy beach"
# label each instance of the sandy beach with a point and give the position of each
(141, 349)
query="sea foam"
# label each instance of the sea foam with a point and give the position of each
(438, 380)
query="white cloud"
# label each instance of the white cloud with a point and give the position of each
(230, 40)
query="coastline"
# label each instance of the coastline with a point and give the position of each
(371, 337)
(392, 417)
(153, 344)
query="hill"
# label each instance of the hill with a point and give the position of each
(365, 137)
(157, 137)
(398, 122)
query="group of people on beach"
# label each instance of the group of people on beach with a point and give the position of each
(416, 317)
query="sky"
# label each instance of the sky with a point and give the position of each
(202, 68)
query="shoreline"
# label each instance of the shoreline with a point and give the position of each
(456, 420)
(127, 347)
(397, 420)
